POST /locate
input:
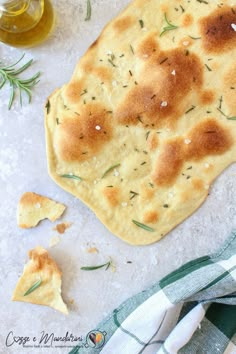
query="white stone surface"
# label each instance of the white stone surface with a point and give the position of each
(23, 167)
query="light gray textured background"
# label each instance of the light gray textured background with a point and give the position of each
(23, 168)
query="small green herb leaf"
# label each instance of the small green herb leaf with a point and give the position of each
(72, 177)
(132, 49)
(170, 26)
(107, 265)
(110, 169)
(111, 62)
(141, 23)
(190, 109)
(48, 106)
(133, 194)
(208, 67)
(225, 115)
(89, 11)
(143, 226)
(195, 38)
(33, 287)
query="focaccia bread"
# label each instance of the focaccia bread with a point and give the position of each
(33, 208)
(148, 120)
(40, 282)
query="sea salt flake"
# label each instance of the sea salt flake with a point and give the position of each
(37, 206)
(114, 83)
(187, 141)
(98, 127)
(164, 104)
(206, 165)
(173, 72)
(186, 43)
(116, 173)
(124, 204)
(233, 25)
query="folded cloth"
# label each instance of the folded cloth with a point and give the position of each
(190, 311)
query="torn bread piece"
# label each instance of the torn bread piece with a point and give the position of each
(40, 282)
(33, 208)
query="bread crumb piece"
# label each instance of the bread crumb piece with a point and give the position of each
(32, 208)
(54, 240)
(61, 228)
(92, 250)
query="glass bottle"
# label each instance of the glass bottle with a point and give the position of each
(25, 22)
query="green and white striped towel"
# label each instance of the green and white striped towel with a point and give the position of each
(190, 311)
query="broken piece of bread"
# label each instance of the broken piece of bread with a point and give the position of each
(40, 282)
(33, 208)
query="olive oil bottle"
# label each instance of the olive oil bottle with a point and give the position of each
(25, 23)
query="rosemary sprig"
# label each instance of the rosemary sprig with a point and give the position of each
(106, 265)
(72, 177)
(10, 74)
(170, 26)
(143, 226)
(110, 169)
(33, 287)
(89, 11)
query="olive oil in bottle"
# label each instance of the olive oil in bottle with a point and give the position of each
(25, 23)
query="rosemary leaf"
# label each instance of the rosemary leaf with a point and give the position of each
(133, 195)
(195, 38)
(33, 287)
(170, 26)
(132, 49)
(143, 226)
(141, 23)
(111, 62)
(72, 177)
(89, 11)
(48, 106)
(208, 67)
(107, 265)
(190, 109)
(225, 115)
(110, 169)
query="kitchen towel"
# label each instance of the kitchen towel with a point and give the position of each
(190, 311)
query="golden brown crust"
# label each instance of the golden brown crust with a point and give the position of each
(217, 32)
(168, 97)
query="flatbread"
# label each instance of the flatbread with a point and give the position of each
(148, 119)
(41, 267)
(33, 208)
